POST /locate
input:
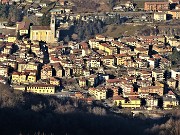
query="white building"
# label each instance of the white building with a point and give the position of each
(160, 16)
(175, 73)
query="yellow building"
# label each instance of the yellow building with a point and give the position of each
(48, 34)
(141, 50)
(118, 100)
(21, 66)
(108, 60)
(23, 77)
(121, 58)
(15, 78)
(94, 43)
(19, 87)
(41, 33)
(54, 81)
(23, 28)
(110, 50)
(175, 13)
(98, 93)
(152, 90)
(46, 73)
(12, 38)
(160, 16)
(171, 83)
(4, 71)
(41, 88)
(59, 72)
(82, 82)
(131, 102)
(158, 75)
(170, 101)
(31, 78)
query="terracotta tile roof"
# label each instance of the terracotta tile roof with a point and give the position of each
(40, 28)
(133, 98)
(118, 98)
(16, 73)
(114, 80)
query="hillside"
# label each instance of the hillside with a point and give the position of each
(119, 30)
(26, 113)
(91, 5)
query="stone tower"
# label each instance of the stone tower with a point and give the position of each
(53, 26)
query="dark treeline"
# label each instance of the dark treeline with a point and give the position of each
(30, 114)
(87, 29)
(11, 13)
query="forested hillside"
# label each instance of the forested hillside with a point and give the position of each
(25, 113)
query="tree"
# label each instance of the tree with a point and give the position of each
(18, 36)
(45, 20)
(67, 39)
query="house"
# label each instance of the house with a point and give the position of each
(59, 71)
(151, 102)
(175, 73)
(170, 101)
(99, 93)
(155, 6)
(82, 82)
(118, 100)
(86, 73)
(4, 71)
(175, 13)
(31, 78)
(141, 50)
(21, 66)
(95, 63)
(160, 16)
(54, 81)
(172, 83)
(151, 90)
(15, 78)
(11, 38)
(100, 37)
(121, 58)
(19, 87)
(93, 80)
(23, 77)
(174, 42)
(108, 60)
(131, 102)
(113, 82)
(158, 75)
(77, 70)
(164, 63)
(94, 43)
(23, 28)
(41, 88)
(46, 72)
(67, 71)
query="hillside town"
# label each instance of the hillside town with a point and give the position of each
(131, 71)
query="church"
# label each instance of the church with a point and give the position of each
(47, 34)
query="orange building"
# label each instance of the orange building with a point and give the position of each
(154, 6)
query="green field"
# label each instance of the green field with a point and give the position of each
(119, 30)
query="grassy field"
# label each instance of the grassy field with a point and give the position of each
(119, 30)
